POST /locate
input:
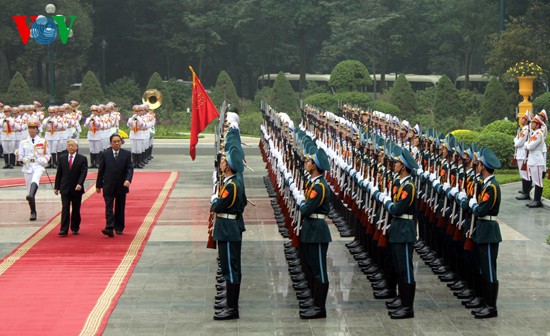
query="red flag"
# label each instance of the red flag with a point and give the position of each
(203, 112)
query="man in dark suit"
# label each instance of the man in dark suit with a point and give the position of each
(114, 177)
(69, 181)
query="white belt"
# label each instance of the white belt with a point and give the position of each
(493, 218)
(404, 217)
(226, 216)
(317, 216)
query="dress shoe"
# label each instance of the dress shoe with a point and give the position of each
(118, 232)
(371, 270)
(221, 304)
(366, 263)
(304, 294)
(402, 313)
(534, 204)
(300, 285)
(75, 233)
(307, 303)
(522, 197)
(379, 285)
(353, 244)
(221, 286)
(347, 234)
(473, 303)
(221, 295)
(385, 294)
(33, 216)
(441, 270)
(227, 314)
(448, 277)
(298, 277)
(465, 294)
(457, 285)
(63, 233)
(375, 277)
(486, 312)
(361, 256)
(313, 312)
(295, 270)
(357, 250)
(394, 304)
(108, 232)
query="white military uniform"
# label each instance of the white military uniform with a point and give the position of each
(35, 156)
(520, 152)
(536, 162)
(94, 125)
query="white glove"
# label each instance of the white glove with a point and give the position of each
(426, 174)
(419, 171)
(432, 177)
(446, 186)
(382, 196)
(386, 199)
(300, 199)
(435, 183)
(43, 162)
(373, 190)
(214, 177)
(371, 184)
(453, 191)
(25, 160)
(472, 202)
(213, 198)
(462, 195)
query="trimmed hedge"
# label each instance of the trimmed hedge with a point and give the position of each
(382, 106)
(466, 135)
(502, 126)
(501, 144)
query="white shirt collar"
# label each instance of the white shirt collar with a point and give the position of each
(487, 179)
(401, 181)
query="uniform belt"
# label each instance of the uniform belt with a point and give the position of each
(32, 160)
(317, 216)
(493, 218)
(226, 216)
(404, 217)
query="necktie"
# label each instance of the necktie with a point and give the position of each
(116, 155)
(32, 140)
(70, 161)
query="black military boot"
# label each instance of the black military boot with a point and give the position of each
(490, 308)
(31, 200)
(6, 161)
(231, 312)
(407, 292)
(526, 188)
(536, 203)
(318, 309)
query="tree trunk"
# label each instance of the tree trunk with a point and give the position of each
(467, 63)
(303, 62)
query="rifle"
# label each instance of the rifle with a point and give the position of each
(469, 244)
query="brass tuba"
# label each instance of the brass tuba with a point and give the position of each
(153, 98)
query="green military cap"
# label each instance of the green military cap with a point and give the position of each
(407, 159)
(311, 152)
(380, 144)
(321, 160)
(235, 159)
(431, 134)
(489, 159)
(451, 142)
(396, 153)
(440, 141)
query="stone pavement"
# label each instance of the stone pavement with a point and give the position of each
(171, 291)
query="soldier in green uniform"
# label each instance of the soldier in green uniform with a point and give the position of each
(487, 232)
(229, 205)
(402, 232)
(314, 232)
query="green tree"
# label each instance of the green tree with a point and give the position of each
(156, 82)
(18, 91)
(382, 106)
(225, 90)
(124, 92)
(495, 104)
(349, 75)
(90, 91)
(181, 94)
(284, 97)
(447, 103)
(542, 102)
(402, 96)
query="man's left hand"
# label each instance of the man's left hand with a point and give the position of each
(78, 187)
(127, 184)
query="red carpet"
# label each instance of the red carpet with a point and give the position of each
(20, 181)
(53, 285)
